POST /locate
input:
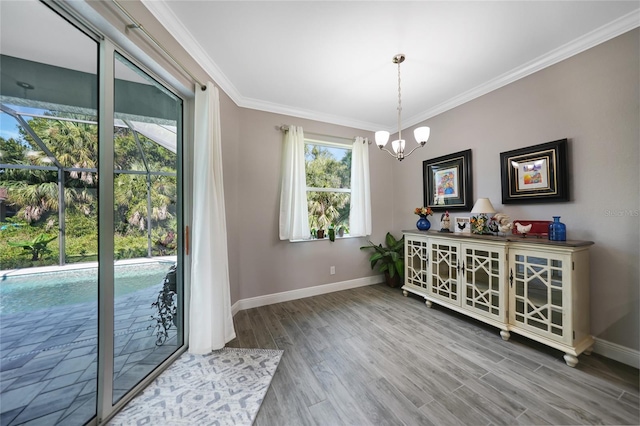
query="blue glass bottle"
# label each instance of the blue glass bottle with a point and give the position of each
(557, 230)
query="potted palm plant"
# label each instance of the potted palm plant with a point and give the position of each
(390, 259)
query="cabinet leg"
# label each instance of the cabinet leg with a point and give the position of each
(428, 303)
(588, 351)
(405, 293)
(505, 334)
(571, 360)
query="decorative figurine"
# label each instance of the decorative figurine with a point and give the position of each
(504, 225)
(445, 223)
(523, 229)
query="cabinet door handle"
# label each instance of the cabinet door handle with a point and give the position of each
(511, 277)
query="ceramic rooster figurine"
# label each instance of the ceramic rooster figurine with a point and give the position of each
(503, 222)
(445, 222)
(523, 229)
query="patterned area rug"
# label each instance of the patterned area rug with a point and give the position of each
(225, 387)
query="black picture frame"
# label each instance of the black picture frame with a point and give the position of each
(447, 182)
(536, 174)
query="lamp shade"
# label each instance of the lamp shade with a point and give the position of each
(382, 137)
(483, 205)
(422, 134)
(398, 145)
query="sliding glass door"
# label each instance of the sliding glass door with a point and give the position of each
(146, 215)
(48, 217)
(91, 271)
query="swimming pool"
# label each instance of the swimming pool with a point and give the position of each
(32, 292)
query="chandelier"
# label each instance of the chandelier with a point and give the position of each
(421, 133)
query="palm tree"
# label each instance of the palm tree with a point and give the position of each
(130, 197)
(34, 192)
(324, 171)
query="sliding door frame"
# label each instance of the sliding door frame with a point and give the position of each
(107, 48)
(106, 85)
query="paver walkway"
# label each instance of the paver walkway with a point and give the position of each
(48, 358)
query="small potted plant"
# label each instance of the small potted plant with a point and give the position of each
(166, 306)
(390, 259)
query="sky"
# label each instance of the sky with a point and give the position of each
(8, 127)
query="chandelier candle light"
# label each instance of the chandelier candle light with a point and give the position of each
(421, 133)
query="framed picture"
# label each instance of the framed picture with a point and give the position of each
(463, 225)
(536, 174)
(447, 182)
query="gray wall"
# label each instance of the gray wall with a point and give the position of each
(593, 100)
(267, 265)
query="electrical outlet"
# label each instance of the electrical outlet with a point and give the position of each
(332, 270)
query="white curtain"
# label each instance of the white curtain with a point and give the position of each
(360, 214)
(211, 320)
(294, 216)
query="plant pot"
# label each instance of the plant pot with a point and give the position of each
(320, 234)
(392, 282)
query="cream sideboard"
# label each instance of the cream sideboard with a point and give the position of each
(530, 286)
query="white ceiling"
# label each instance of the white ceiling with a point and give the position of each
(331, 61)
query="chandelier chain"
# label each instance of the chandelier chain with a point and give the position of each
(399, 105)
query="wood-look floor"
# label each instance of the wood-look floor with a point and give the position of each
(370, 356)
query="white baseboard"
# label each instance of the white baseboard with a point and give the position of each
(617, 352)
(285, 296)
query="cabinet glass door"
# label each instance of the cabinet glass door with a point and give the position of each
(444, 271)
(482, 281)
(537, 294)
(416, 265)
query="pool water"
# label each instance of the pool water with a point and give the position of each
(32, 292)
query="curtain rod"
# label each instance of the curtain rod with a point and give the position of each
(138, 26)
(285, 128)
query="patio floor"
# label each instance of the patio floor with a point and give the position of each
(48, 358)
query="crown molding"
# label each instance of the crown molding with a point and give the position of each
(173, 25)
(606, 32)
(611, 30)
(275, 108)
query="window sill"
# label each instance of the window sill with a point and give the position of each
(346, 237)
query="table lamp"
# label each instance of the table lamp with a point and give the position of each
(480, 221)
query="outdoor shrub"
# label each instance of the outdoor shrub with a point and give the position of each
(129, 247)
(79, 225)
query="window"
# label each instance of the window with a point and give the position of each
(328, 180)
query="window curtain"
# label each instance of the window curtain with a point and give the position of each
(210, 317)
(294, 215)
(360, 214)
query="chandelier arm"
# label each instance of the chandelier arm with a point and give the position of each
(388, 152)
(419, 146)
